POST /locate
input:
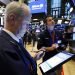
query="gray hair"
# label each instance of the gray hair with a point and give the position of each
(17, 8)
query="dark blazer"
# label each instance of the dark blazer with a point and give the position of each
(45, 40)
(14, 59)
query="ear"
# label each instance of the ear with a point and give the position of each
(12, 17)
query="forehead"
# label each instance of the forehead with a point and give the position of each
(49, 18)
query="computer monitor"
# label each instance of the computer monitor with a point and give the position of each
(56, 61)
(59, 21)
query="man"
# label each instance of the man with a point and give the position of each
(14, 59)
(48, 40)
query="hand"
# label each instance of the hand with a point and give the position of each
(42, 49)
(39, 55)
(55, 46)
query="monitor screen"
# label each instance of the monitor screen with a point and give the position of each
(55, 61)
(38, 6)
(59, 21)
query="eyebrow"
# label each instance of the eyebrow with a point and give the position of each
(49, 19)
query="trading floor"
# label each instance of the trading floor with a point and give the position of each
(68, 68)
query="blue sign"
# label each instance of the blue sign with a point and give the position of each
(38, 6)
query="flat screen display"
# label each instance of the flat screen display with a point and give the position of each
(38, 6)
(55, 61)
(59, 22)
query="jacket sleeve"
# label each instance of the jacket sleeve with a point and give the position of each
(11, 64)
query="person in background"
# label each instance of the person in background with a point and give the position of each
(25, 38)
(14, 58)
(29, 37)
(33, 37)
(48, 39)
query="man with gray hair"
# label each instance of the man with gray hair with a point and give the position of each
(14, 59)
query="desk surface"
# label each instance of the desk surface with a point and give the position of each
(69, 68)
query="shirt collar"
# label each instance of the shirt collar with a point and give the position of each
(11, 34)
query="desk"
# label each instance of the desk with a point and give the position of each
(69, 68)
